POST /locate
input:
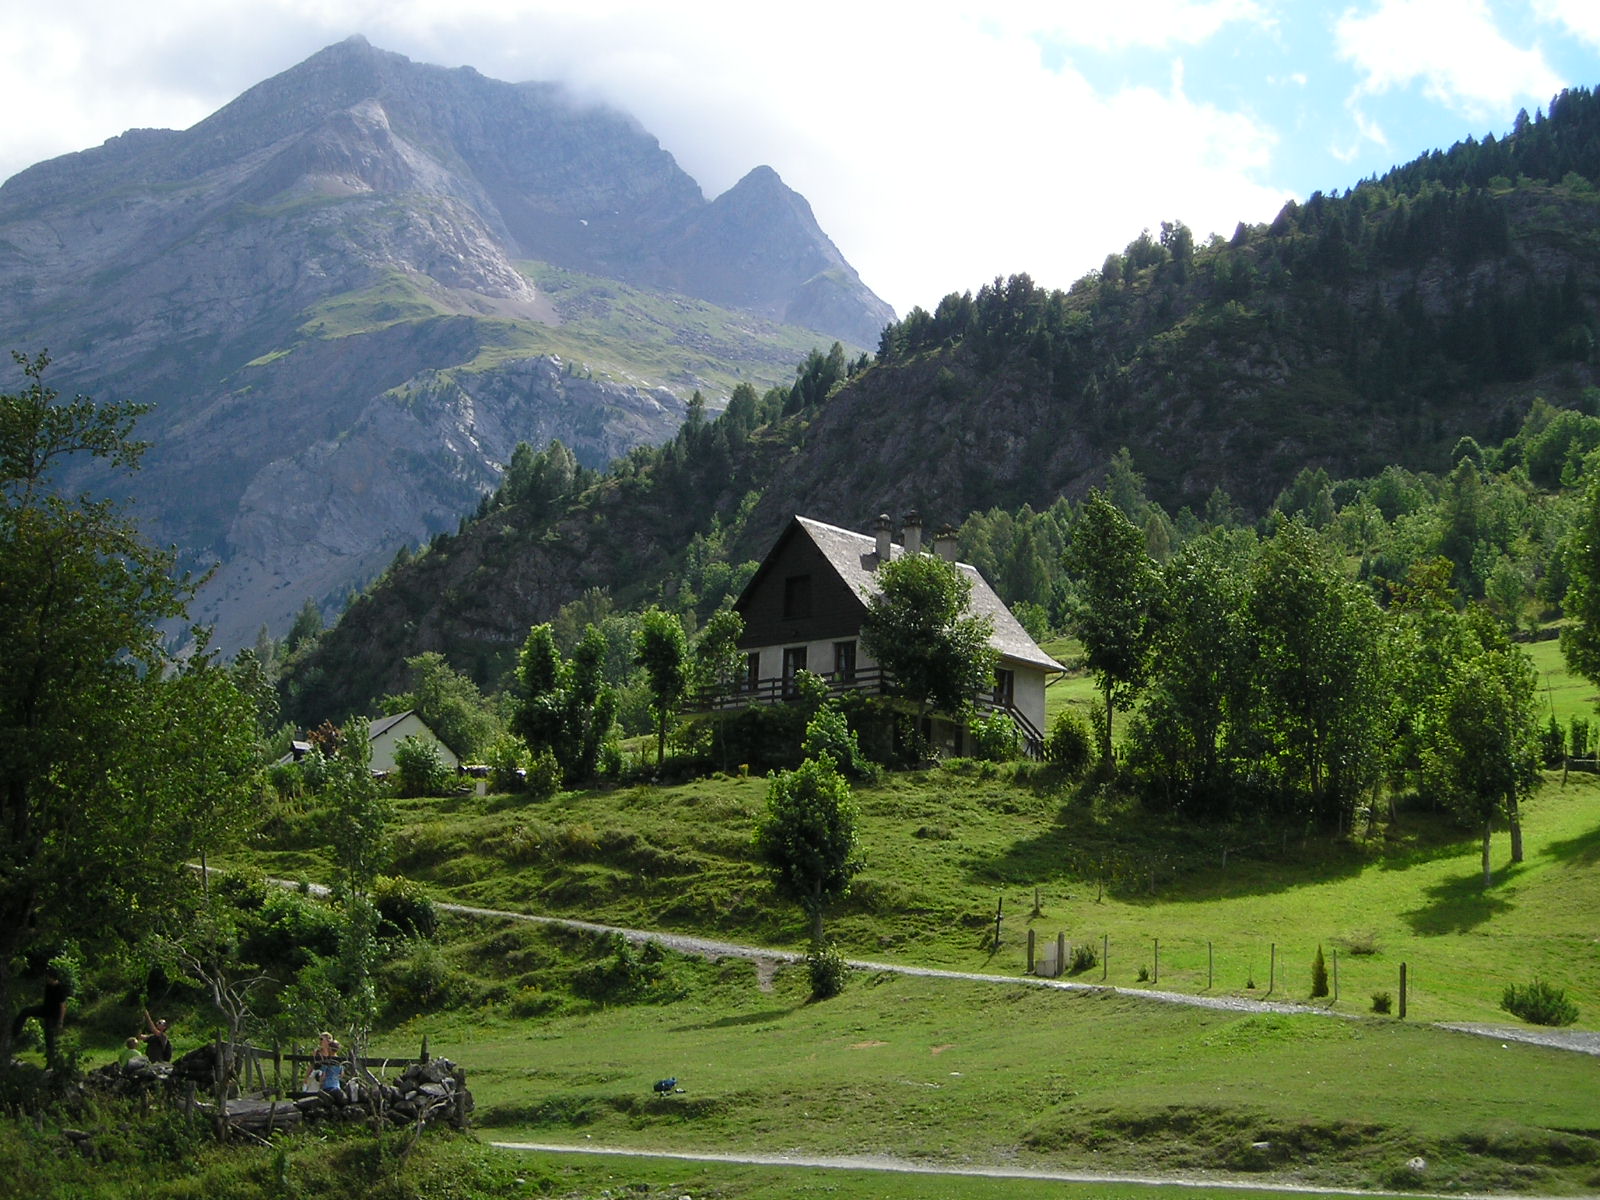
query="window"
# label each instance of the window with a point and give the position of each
(844, 662)
(794, 661)
(1005, 686)
(796, 597)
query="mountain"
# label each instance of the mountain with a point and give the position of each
(348, 294)
(1354, 331)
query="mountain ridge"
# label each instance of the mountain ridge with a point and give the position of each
(1352, 332)
(349, 248)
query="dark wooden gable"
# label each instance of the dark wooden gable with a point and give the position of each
(796, 596)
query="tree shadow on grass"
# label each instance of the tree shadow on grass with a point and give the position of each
(1138, 858)
(757, 1018)
(1582, 850)
(1462, 904)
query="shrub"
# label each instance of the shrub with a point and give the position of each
(404, 909)
(629, 975)
(289, 931)
(1083, 959)
(1580, 737)
(995, 738)
(1070, 745)
(1553, 743)
(1319, 974)
(509, 761)
(1381, 1002)
(422, 978)
(422, 769)
(1539, 1003)
(827, 969)
(544, 775)
(828, 733)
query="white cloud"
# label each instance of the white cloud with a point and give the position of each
(936, 148)
(1149, 23)
(1451, 48)
(1581, 18)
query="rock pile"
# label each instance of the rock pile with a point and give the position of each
(425, 1093)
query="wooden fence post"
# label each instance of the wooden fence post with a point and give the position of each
(1336, 977)
(1210, 966)
(1156, 977)
(1105, 955)
(1272, 969)
(1061, 953)
(1030, 952)
(1402, 991)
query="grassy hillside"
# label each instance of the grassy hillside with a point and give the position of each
(565, 1032)
(944, 847)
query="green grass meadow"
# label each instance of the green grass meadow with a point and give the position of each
(939, 1071)
(563, 1032)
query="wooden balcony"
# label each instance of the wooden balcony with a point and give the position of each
(873, 681)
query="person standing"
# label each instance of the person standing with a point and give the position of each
(52, 1013)
(157, 1041)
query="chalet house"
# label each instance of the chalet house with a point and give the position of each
(803, 609)
(385, 733)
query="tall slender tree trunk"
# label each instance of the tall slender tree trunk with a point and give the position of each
(1488, 828)
(1105, 746)
(1515, 815)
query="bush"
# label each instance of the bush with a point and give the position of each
(509, 761)
(828, 971)
(422, 770)
(1539, 1004)
(1553, 744)
(828, 733)
(289, 931)
(1381, 1002)
(1070, 746)
(1083, 959)
(544, 775)
(1319, 974)
(1580, 737)
(404, 909)
(629, 975)
(995, 738)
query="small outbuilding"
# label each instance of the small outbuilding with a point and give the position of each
(385, 733)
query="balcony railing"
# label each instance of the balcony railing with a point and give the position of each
(871, 680)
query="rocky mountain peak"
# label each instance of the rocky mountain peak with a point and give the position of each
(325, 288)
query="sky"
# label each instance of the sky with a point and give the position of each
(940, 143)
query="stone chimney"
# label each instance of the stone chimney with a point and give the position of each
(885, 529)
(944, 543)
(911, 532)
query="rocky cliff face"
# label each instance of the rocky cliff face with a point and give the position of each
(323, 290)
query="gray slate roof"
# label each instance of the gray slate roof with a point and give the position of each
(855, 555)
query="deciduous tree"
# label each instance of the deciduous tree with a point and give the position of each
(1116, 588)
(662, 651)
(918, 627)
(114, 766)
(807, 839)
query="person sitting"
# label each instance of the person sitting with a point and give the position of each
(157, 1042)
(129, 1051)
(333, 1069)
(324, 1054)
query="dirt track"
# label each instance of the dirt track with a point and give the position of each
(1578, 1041)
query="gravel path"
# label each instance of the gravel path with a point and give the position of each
(1579, 1041)
(880, 1162)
